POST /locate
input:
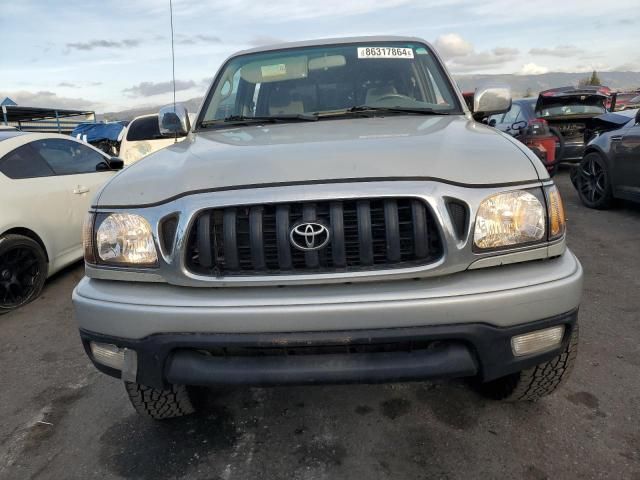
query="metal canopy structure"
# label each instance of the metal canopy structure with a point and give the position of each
(37, 119)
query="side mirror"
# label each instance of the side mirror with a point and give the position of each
(490, 100)
(174, 121)
(116, 163)
(492, 122)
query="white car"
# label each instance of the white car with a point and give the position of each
(141, 138)
(47, 182)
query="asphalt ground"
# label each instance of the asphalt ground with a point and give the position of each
(61, 419)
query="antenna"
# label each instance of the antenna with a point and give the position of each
(173, 62)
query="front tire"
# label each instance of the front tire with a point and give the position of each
(593, 182)
(23, 271)
(156, 404)
(535, 382)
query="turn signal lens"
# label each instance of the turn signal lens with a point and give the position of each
(87, 238)
(557, 220)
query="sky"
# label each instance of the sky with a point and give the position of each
(111, 55)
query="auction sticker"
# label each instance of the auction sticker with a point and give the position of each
(385, 52)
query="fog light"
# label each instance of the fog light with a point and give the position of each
(123, 359)
(537, 341)
(108, 355)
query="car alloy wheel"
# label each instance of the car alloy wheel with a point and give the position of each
(20, 276)
(593, 181)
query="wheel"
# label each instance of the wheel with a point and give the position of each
(157, 404)
(23, 271)
(536, 382)
(593, 182)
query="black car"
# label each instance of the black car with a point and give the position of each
(611, 164)
(567, 111)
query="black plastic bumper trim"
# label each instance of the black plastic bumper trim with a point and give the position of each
(171, 357)
(192, 368)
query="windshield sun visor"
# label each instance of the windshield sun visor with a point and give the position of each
(275, 70)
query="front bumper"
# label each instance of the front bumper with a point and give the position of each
(362, 356)
(501, 296)
(471, 315)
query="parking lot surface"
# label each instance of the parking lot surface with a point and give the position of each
(62, 419)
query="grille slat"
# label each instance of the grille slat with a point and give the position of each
(256, 238)
(229, 242)
(337, 235)
(309, 215)
(420, 232)
(392, 230)
(282, 228)
(365, 234)
(204, 241)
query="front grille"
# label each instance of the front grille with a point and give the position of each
(364, 234)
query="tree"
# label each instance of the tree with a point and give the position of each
(594, 79)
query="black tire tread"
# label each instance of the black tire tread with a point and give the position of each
(158, 404)
(538, 381)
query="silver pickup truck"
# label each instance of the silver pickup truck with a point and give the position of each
(334, 215)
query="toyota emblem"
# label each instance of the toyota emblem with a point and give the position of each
(309, 236)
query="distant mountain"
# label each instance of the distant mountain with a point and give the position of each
(520, 85)
(192, 107)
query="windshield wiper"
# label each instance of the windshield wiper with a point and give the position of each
(416, 110)
(245, 120)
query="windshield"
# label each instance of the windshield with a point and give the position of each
(331, 78)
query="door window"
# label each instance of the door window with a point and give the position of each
(512, 115)
(495, 119)
(66, 157)
(146, 128)
(24, 162)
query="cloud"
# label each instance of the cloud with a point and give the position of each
(563, 51)
(505, 51)
(282, 10)
(93, 44)
(532, 69)
(261, 40)
(199, 38)
(627, 67)
(482, 59)
(48, 99)
(68, 85)
(462, 57)
(452, 45)
(148, 89)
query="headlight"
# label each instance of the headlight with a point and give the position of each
(124, 239)
(509, 219)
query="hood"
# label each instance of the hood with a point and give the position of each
(451, 148)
